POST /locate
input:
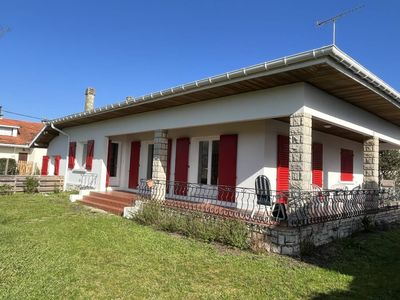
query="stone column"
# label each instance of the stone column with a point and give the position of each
(371, 163)
(300, 146)
(160, 163)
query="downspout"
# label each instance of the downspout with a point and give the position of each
(66, 158)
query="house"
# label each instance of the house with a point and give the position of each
(311, 120)
(17, 142)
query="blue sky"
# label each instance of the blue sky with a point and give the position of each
(56, 49)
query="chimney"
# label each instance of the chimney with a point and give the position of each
(89, 99)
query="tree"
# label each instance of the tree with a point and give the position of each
(389, 165)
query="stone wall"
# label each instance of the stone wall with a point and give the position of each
(288, 240)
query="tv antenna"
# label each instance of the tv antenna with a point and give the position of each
(335, 18)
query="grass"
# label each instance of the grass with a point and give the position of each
(50, 248)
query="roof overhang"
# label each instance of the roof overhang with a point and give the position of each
(327, 68)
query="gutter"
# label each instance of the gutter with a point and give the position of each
(15, 146)
(66, 157)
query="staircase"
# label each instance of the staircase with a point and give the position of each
(113, 202)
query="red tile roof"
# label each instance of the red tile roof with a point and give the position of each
(27, 131)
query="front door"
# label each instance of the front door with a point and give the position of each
(113, 165)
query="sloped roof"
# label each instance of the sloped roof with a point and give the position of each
(27, 131)
(327, 68)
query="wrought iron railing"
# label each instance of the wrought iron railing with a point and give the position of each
(307, 207)
(236, 202)
(295, 208)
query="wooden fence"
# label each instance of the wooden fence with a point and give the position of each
(26, 168)
(46, 183)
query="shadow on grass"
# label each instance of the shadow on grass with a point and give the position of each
(371, 258)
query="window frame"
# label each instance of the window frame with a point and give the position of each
(210, 140)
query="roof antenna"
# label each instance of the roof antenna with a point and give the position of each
(335, 18)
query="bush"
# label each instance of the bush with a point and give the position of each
(195, 225)
(307, 247)
(11, 168)
(31, 185)
(6, 189)
(367, 224)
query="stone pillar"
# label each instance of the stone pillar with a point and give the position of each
(300, 146)
(160, 163)
(371, 163)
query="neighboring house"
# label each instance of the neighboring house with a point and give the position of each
(17, 141)
(316, 118)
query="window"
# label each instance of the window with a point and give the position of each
(81, 153)
(208, 162)
(150, 155)
(346, 165)
(113, 159)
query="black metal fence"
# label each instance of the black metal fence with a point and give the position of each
(266, 206)
(243, 203)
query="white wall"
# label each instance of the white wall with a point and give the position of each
(343, 114)
(256, 155)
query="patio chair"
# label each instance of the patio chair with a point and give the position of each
(263, 190)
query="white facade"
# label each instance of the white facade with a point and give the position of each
(252, 116)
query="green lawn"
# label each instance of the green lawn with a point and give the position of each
(51, 248)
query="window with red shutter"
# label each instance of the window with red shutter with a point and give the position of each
(227, 162)
(169, 163)
(57, 160)
(317, 164)
(134, 165)
(89, 155)
(71, 155)
(346, 165)
(45, 166)
(282, 169)
(181, 165)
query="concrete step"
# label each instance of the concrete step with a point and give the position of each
(107, 201)
(112, 209)
(115, 196)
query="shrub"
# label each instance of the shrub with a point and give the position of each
(196, 225)
(307, 247)
(11, 168)
(235, 233)
(367, 224)
(31, 185)
(149, 214)
(57, 189)
(6, 189)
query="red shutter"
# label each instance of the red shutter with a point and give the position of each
(109, 156)
(169, 163)
(57, 159)
(45, 166)
(71, 155)
(282, 170)
(134, 165)
(89, 155)
(227, 162)
(181, 165)
(317, 169)
(346, 165)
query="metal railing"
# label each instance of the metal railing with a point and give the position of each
(295, 208)
(235, 202)
(310, 207)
